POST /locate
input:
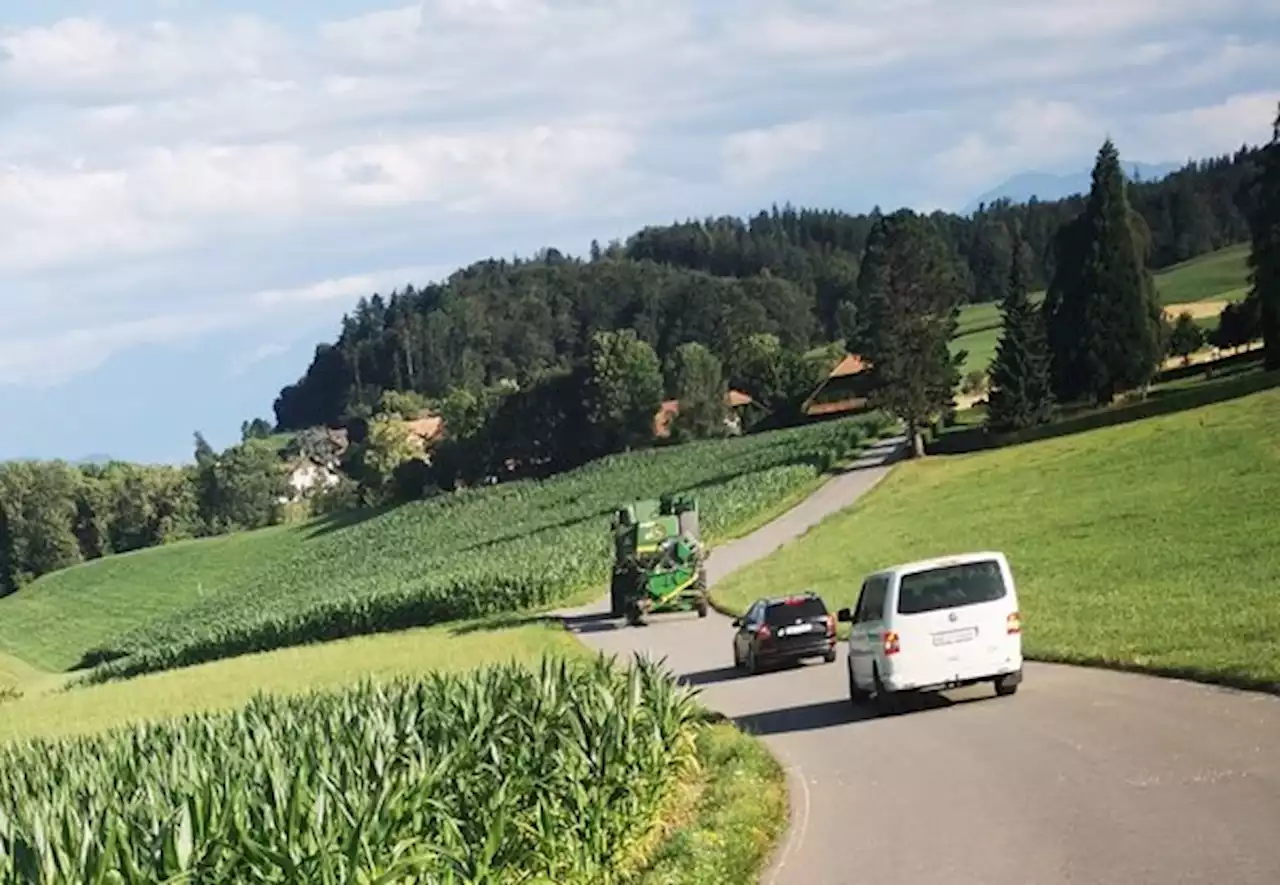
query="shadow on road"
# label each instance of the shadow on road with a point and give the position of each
(712, 676)
(828, 714)
(595, 622)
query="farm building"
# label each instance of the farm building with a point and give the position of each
(737, 401)
(844, 391)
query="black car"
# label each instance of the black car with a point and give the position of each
(784, 630)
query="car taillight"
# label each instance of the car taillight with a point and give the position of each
(764, 632)
(831, 624)
(891, 643)
(1013, 623)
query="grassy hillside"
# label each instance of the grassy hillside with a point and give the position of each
(1151, 544)
(1218, 276)
(498, 549)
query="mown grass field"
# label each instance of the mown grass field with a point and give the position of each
(1148, 545)
(512, 547)
(1218, 276)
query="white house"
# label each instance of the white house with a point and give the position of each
(308, 475)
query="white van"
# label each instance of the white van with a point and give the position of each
(933, 625)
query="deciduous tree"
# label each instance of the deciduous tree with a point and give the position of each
(1185, 338)
(624, 390)
(698, 384)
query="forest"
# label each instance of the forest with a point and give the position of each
(791, 273)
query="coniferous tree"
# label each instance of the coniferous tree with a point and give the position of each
(911, 291)
(1264, 257)
(1021, 394)
(1103, 317)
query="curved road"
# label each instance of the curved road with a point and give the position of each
(1084, 777)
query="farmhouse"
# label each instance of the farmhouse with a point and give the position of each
(737, 401)
(308, 475)
(843, 391)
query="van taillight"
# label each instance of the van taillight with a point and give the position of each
(890, 642)
(1013, 623)
(764, 632)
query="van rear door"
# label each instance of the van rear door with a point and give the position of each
(952, 619)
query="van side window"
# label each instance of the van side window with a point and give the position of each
(871, 604)
(862, 599)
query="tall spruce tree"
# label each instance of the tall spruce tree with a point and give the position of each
(1264, 257)
(911, 292)
(1102, 314)
(1021, 394)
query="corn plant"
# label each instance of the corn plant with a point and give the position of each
(549, 774)
(512, 547)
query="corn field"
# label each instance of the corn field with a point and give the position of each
(504, 775)
(472, 553)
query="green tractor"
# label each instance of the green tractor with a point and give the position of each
(659, 563)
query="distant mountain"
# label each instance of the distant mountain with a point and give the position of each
(1044, 186)
(89, 460)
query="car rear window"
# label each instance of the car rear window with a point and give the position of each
(787, 612)
(950, 587)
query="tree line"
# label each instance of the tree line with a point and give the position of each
(1101, 330)
(791, 273)
(54, 515)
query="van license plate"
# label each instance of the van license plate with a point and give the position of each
(953, 636)
(798, 628)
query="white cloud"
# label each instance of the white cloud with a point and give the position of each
(87, 59)
(242, 363)
(53, 357)
(248, 148)
(49, 360)
(758, 154)
(167, 197)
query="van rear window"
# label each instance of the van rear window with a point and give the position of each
(951, 587)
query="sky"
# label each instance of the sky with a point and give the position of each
(192, 194)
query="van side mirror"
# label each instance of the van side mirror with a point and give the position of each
(737, 622)
(844, 616)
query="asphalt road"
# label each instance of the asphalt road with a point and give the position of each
(1084, 777)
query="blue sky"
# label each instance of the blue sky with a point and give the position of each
(191, 194)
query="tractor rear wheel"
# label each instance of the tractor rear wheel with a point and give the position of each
(617, 596)
(635, 614)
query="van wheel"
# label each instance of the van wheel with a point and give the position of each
(1006, 688)
(752, 666)
(856, 695)
(887, 702)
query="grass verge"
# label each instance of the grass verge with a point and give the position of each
(737, 810)
(1145, 546)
